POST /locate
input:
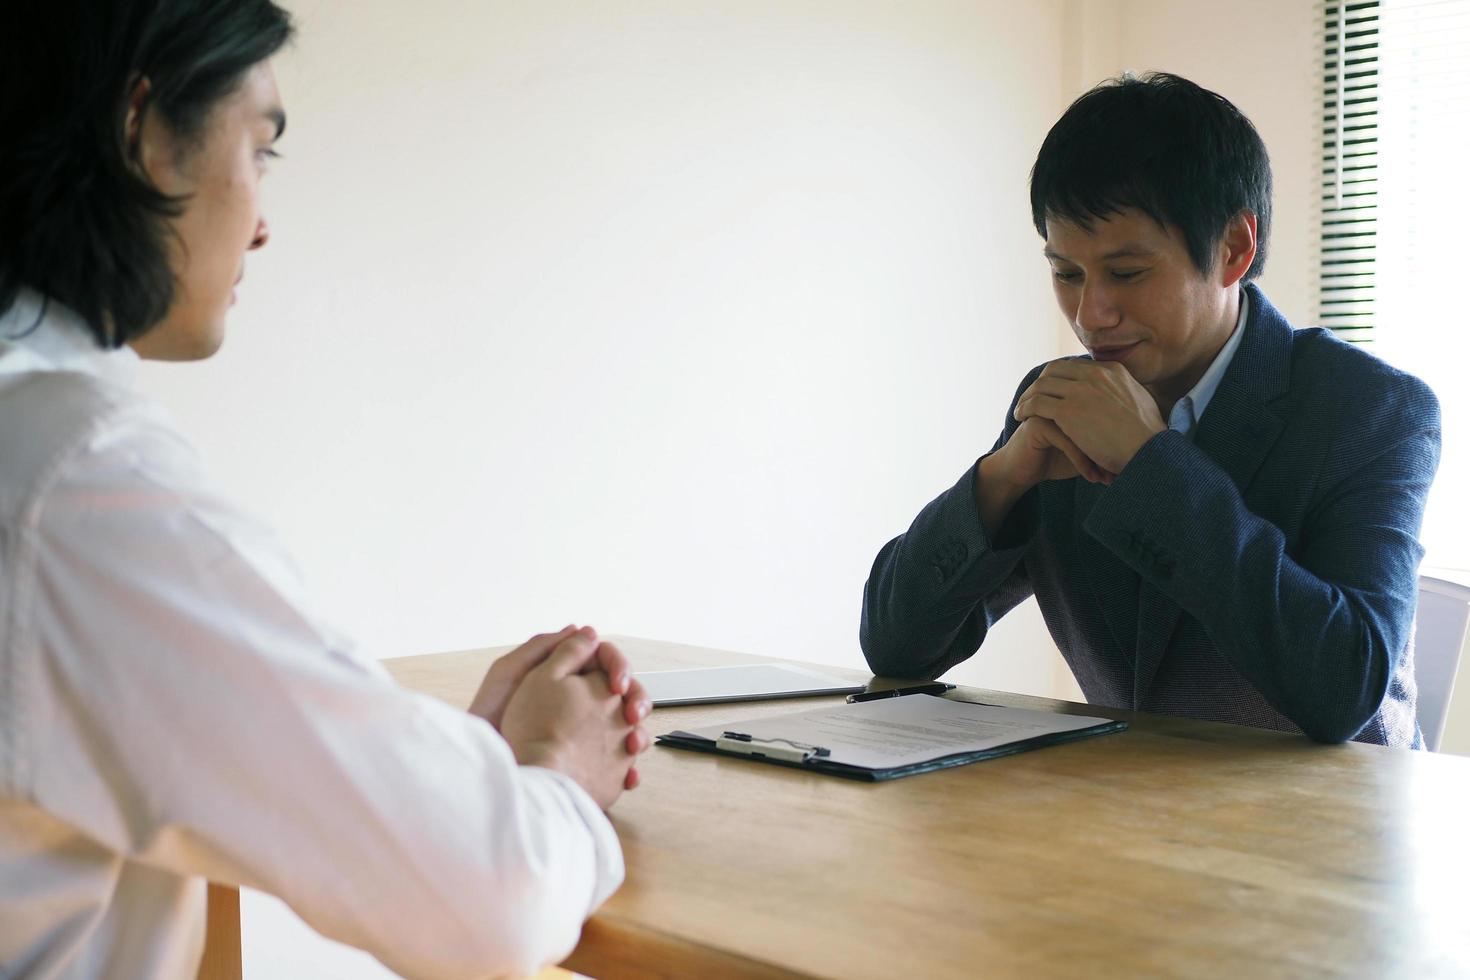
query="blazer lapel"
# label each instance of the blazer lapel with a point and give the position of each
(1238, 429)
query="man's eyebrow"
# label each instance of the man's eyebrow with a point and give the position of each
(1132, 250)
(277, 115)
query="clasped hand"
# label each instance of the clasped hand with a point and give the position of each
(569, 702)
(1081, 418)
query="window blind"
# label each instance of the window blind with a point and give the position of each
(1346, 248)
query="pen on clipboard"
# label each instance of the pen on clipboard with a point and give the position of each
(771, 748)
(935, 688)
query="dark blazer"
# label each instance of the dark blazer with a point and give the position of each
(1264, 573)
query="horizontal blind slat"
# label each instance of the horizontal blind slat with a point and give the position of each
(1346, 239)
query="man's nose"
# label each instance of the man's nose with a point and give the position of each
(1095, 308)
(262, 234)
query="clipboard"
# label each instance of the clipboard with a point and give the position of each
(761, 740)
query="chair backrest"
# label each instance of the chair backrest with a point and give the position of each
(1444, 613)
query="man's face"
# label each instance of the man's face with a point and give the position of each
(1132, 294)
(222, 218)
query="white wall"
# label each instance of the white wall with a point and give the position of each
(660, 316)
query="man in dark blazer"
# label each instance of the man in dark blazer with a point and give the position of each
(1217, 514)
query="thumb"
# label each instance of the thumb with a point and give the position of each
(531, 653)
(572, 654)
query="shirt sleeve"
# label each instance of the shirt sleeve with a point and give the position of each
(196, 718)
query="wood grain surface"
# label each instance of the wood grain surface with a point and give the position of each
(1177, 848)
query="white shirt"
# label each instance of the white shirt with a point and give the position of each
(170, 711)
(1187, 411)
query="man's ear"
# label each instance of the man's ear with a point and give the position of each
(133, 122)
(1237, 248)
(151, 144)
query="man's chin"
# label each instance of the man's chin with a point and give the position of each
(178, 342)
(1139, 363)
(200, 348)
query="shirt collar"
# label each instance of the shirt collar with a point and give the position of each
(1190, 409)
(40, 334)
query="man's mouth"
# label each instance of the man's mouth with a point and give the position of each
(1113, 352)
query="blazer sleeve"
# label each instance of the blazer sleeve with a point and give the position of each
(935, 590)
(1319, 630)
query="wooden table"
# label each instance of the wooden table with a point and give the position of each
(1177, 848)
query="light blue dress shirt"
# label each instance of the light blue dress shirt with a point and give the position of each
(1187, 411)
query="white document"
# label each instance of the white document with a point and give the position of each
(903, 731)
(743, 682)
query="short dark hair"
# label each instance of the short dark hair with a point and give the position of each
(80, 223)
(1179, 153)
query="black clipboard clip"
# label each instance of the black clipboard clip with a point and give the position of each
(787, 751)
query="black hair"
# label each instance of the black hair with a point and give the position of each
(1179, 153)
(80, 222)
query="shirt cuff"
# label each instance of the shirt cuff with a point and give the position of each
(607, 851)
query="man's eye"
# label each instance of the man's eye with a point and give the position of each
(267, 154)
(1062, 276)
(1127, 275)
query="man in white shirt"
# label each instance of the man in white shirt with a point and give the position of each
(170, 709)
